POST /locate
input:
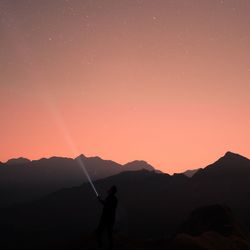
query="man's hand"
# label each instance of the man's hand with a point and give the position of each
(100, 200)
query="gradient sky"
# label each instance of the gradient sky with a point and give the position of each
(167, 81)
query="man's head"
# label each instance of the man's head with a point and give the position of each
(112, 190)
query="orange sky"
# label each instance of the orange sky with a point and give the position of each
(164, 81)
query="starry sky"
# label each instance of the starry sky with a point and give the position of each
(166, 81)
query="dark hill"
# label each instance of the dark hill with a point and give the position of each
(145, 199)
(211, 228)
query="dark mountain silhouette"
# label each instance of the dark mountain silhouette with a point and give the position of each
(151, 206)
(225, 181)
(23, 180)
(226, 165)
(229, 161)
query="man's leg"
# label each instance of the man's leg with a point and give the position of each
(99, 235)
(110, 237)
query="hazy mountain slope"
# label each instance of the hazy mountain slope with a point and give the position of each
(190, 173)
(22, 179)
(138, 165)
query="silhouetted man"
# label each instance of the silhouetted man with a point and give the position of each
(108, 217)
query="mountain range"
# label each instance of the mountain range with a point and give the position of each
(151, 204)
(23, 180)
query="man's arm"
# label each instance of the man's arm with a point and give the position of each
(100, 200)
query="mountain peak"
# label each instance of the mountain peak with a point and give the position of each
(18, 161)
(81, 156)
(232, 160)
(138, 165)
(231, 163)
(229, 153)
(232, 156)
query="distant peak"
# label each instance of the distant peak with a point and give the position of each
(81, 156)
(57, 158)
(136, 162)
(17, 161)
(138, 165)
